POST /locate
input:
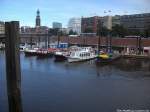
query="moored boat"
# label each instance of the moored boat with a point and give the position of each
(44, 53)
(31, 52)
(107, 57)
(82, 54)
(61, 55)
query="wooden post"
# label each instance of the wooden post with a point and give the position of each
(46, 38)
(13, 73)
(110, 43)
(68, 41)
(107, 39)
(139, 45)
(31, 40)
(39, 39)
(99, 42)
(99, 32)
(58, 39)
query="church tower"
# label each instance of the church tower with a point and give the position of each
(38, 20)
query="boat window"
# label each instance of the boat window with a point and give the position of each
(73, 54)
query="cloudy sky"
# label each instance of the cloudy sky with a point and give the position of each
(62, 10)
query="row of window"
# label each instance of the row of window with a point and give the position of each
(84, 54)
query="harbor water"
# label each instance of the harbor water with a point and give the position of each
(49, 86)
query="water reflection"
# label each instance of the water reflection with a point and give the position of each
(128, 68)
(132, 65)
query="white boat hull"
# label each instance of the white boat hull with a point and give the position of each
(75, 59)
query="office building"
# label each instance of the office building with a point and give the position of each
(107, 22)
(57, 25)
(138, 22)
(25, 29)
(2, 27)
(135, 22)
(90, 24)
(74, 24)
(116, 20)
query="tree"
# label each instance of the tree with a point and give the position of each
(103, 31)
(53, 32)
(147, 32)
(71, 32)
(56, 31)
(118, 31)
(88, 30)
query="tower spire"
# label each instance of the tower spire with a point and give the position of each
(38, 20)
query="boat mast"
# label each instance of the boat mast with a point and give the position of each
(58, 38)
(110, 42)
(99, 36)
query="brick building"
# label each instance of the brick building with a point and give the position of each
(90, 24)
(2, 27)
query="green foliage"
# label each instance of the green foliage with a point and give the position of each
(56, 32)
(71, 32)
(147, 32)
(53, 32)
(118, 31)
(88, 30)
(103, 31)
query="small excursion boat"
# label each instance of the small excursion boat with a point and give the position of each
(51, 51)
(82, 54)
(46, 52)
(107, 57)
(61, 55)
(31, 52)
(43, 53)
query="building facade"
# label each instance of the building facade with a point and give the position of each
(90, 24)
(107, 22)
(25, 29)
(2, 27)
(57, 25)
(133, 22)
(116, 20)
(74, 24)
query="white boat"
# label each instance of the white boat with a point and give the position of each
(61, 55)
(82, 54)
(30, 52)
